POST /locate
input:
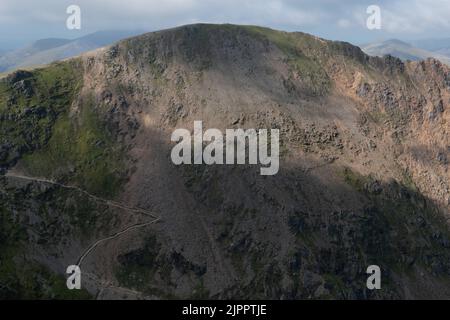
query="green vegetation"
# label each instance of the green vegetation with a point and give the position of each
(149, 270)
(413, 228)
(40, 132)
(140, 269)
(30, 103)
(53, 87)
(396, 228)
(196, 46)
(200, 292)
(378, 116)
(29, 280)
(139, 264)
(22, 278)
(356, 180)
(303, 55)
(83, 150)
(38, 128)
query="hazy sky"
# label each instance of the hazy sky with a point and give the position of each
(23, 21)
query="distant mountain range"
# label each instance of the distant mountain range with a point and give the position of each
(417, 50)
(441, 46)
(48, 50)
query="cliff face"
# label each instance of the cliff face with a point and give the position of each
(85, 147)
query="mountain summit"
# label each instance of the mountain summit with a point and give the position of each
(363, 180)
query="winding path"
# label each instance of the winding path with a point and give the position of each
(96, 198)
(118, 234)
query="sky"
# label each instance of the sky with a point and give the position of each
(24, 21)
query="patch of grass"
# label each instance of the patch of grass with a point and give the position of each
(11, 235)
(37, 128)
(3, 95)
(302, 53)
(414, 231)
(26, 279)
(196, 46)
(200, 292)
(146, 270)
(354, 179)
(82, 150)
(378, 116)
(30, 105)
(137, 268)
(83, 212)
(31, 281)
(408, 181)
(336, 284)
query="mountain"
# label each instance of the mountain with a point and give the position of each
(87, 177)
(440, 46)
(11, 59)
(402, 50)
(48, 50)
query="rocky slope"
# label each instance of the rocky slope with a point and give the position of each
(87, 176)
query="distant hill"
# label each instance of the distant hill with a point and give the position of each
(48, 50)
(441, 46)
(402, 50)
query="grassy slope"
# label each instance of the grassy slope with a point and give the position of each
(52, 143)
(38, 132)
